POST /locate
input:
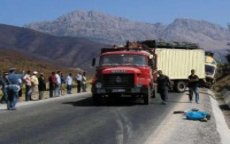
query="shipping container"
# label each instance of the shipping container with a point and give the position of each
(178, 63)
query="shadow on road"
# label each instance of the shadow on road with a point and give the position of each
(206, 93)
(174, 101)
(88, 102)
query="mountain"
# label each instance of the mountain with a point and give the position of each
(66, 51)
(115, 30)
(207, 35)
(98, 27)
(73, 39)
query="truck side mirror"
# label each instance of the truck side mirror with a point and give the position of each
(93, 62)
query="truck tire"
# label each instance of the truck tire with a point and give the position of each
(96, 99)
(147, 97)
(154, 92)
(181, 86)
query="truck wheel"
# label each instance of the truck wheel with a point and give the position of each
(96, 99)
(153, 94)
(146, 100)
(147, 97)
(180, 86)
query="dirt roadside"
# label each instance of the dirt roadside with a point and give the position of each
(175, 129)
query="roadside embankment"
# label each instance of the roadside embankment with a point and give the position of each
(222, 95)
(175, 129)
(225, 93)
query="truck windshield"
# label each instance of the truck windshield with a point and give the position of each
(209, 70)
(123, 59)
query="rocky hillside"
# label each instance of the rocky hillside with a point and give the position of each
(13, 58)
(109, 29)
(66, 51)
(208, 35)
(99, 27)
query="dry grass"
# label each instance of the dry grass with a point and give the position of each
(22, 62)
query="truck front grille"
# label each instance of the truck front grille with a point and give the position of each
(118, 80)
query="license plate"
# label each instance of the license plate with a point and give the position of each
(126, 96)
(118, 90)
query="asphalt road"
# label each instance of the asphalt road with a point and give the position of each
(75, 120)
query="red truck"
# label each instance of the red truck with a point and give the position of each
(128, 71)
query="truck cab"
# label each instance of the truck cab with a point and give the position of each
(210, 69)
(125, 72)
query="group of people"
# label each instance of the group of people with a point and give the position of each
(35, 85)
(164, 85)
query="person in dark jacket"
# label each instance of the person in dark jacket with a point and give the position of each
(193, 82)
(52, 84)
(41, 86)
(163, 84)
(4, 82)
(62, 83)
(13, 89)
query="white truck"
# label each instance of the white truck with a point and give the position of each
(176, 60)
(210, 69)
(178, 63)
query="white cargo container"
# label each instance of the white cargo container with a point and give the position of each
(178, 63)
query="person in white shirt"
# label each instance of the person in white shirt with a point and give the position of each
(69, 82)
(58, 87)
(27, 80)
(79, 82)
(34, 82)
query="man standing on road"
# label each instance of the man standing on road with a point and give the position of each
(58, 87)
(13, 89)
(4, 82)
(34, 82)
(41, 86)
(62, 83)
(79, 82)
(163, 84)
(27, 80)
(193, 81)
(69, 81)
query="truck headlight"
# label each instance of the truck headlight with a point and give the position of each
(98, 85)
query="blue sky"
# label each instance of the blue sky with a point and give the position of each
(20, 12)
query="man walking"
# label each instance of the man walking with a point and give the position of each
(84, 82)
(52, 84)
(193, 82)
(163, 84)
